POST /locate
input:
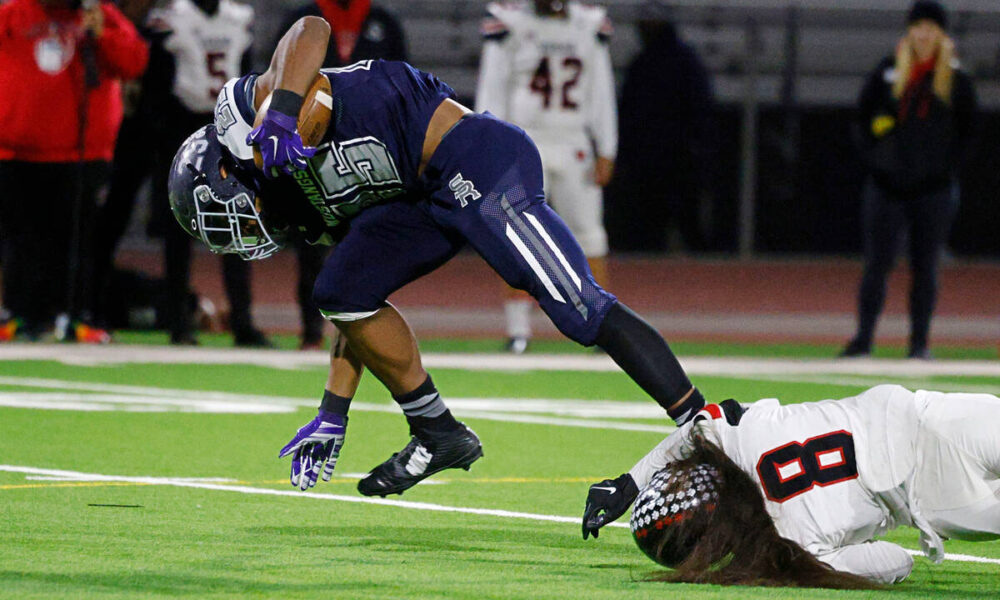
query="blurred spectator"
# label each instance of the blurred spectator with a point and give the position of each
(197, 45)
(916, 116)
(664, 156)
(61, 63)
(359, 31)
(132, 165)
(548, 70)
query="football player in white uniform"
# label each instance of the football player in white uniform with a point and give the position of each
(546, 68)
(833, 474)
(196, 47)
(208, 42)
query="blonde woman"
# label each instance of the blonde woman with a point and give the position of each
(916, 113)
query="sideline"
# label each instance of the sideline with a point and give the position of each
(71, 475)
(696, 365)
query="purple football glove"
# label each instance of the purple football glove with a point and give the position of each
(279, 141)
(316, 446)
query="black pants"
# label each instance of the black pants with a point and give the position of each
(177, 243)
(132, 165)
(928, 217)
(310, 260)
(43, 274)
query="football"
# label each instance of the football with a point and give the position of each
(314, 116)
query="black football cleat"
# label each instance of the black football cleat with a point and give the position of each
(856, 349)
(420, 459)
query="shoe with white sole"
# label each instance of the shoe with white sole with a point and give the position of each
(421, 458)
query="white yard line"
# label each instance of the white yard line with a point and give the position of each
(490, 512)
(698, 365)
(89, 396)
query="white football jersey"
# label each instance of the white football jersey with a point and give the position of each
(551, 76)
(837, 473)
(207, 49)
(832, 472)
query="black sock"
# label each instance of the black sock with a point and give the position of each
(335, 404)
(425, 410)
(645, 356)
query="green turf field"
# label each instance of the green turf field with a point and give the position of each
(163, 480)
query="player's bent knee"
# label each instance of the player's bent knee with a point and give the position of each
(581, 319)
(346, 317)
(338, 303)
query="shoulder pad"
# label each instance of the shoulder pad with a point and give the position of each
(508, 13)
(492, 28)
(594, 18)
(158, 21)
(241, 13)
(233, 117)
(605, 30)
(729, 409)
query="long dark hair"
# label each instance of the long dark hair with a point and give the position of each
(733, 540)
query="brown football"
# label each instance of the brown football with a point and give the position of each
(314, 116)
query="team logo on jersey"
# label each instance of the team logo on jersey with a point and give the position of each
(463, 189)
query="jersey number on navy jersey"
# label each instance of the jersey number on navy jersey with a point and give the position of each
(541, 81)
(353, 175)
(795, 468)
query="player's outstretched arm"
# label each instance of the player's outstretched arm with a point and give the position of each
(294, 66)
(316, 446)
(606, 501)
(609, 499)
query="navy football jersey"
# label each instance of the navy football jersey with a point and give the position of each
(371, 150)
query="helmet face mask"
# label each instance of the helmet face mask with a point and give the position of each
(232, 225)
(213, 205)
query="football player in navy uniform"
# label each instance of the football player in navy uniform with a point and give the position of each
(360, 30)
(403, 178)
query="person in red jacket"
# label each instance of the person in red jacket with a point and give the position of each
(61, 64)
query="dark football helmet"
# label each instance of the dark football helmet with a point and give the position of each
(674, 510)
(216, 205)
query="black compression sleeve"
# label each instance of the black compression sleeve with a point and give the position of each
(645, 356)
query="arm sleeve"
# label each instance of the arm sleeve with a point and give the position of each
(879, 561)
(494, 77)
(602, 121)
(120, 49)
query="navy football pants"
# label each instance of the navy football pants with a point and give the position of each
(482, 187)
